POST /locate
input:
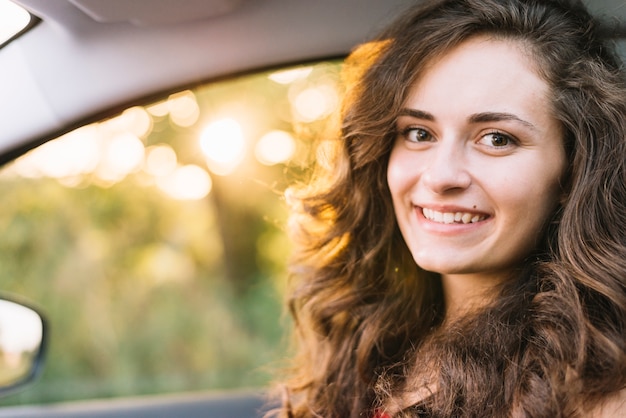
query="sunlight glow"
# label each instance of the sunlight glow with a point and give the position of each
(183, 108)
(160, 109)
(73, 154)
(224, 146)
(13, 19)
(148, 144)
(161, 160)
(135, 120)
(111, 150)
(326, 154)
(188, 182)
(275, 147)
(122, 155)
(315, 103)
(289, 76)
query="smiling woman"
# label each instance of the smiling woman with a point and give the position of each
(462, 207)
(465, 255)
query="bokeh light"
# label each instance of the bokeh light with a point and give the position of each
(160, 161)
(188, 182)
(315, 103)
(183, 108)
(223, 144)
(289, 76)
(275, 147)
(159, 109)
(73, 154)
(122, 155)
(135, 120)
(143, 141)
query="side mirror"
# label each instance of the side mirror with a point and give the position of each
(22, 344)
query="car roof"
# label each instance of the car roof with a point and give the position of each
(87, 59)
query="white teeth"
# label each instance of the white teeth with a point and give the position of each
(451, 217)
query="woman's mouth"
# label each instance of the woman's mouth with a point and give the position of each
(452, 217)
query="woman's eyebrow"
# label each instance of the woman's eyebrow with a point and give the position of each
(475, 118)
(419, 114)
(497, 117)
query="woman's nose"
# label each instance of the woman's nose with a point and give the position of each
(447, 170)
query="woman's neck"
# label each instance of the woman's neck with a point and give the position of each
(464, 293)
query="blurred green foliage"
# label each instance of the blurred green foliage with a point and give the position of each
(148, 294)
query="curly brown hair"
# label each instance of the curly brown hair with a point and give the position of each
(367, 318)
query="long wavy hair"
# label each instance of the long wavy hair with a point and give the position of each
(368, 319)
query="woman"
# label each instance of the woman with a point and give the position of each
(466, 254)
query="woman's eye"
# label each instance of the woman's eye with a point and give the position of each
(497, 140)
(417, 135)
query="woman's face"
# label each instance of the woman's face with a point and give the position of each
(474, 173)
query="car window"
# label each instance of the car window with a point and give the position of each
(155, 240)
